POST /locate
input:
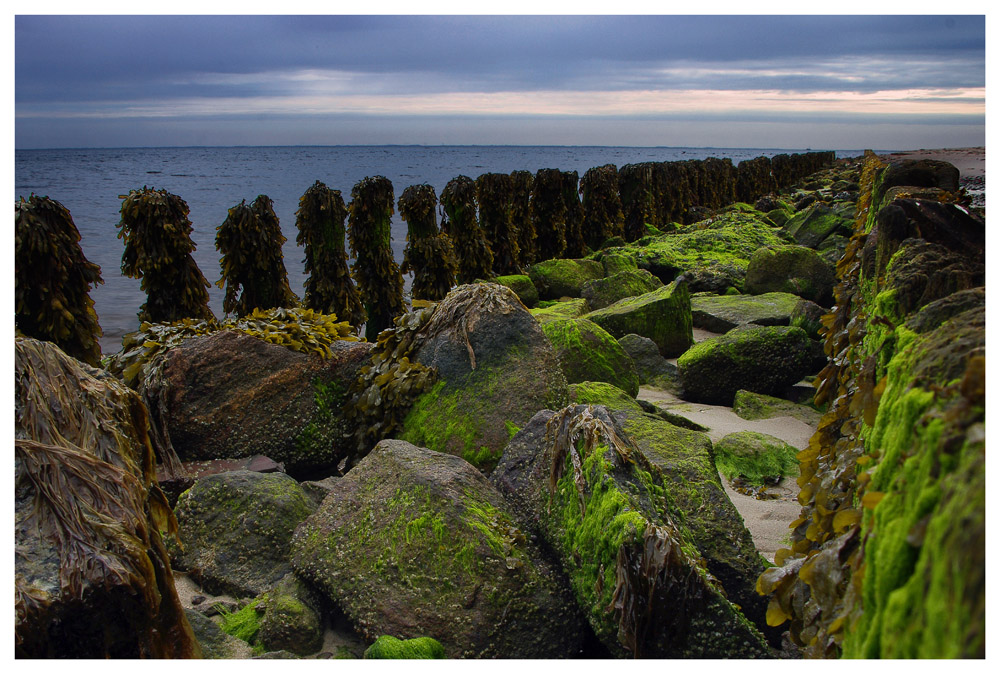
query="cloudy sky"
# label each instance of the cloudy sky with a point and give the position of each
(842, 82)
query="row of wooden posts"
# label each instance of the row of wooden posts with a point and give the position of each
(495, 225)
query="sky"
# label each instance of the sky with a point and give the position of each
(831, 82)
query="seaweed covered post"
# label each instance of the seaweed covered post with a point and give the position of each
(472, 252)
(548, 213)
(157, 233)
(494, 192)
(52, 279)
(253, 267)
(369, 232)
(521, 183)
(602, 206)
(329, 288)
(429, 253)
(635, 184)
(575, 245)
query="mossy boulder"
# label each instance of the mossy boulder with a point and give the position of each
(417, 543)
(603, 393)
(756, 458)
(916, 173)
(292, 619)
(495, 368)
(663, 315)
(651, 367)
(722, 313)
(615, 262)
(808, 316)
(236, 528)
(601, 505)
(588, 353)
(791, 269)
(603, 292)
(812, 225)
(216, 644)
(390, 648)
(522, 286)
(751, 357)
(229, 395)
(753, 406)
(553, 310)
(563, 278)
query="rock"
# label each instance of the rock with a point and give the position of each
(808, 316)
(791, 269)
(752, 406)
(292, 619)
(832, 248)
(495, 369)
(603, 393)
(174, 484)
(417, 543)
(756, 458)
(722, 313)
(813, 225)
(663, 315)
(916, 173)
(563, 278)
(651, 368)
(391, 648)
(603, 292)
(598, 503)
(557, 310)
(588, 353)
(935, 313)
(921, 272)
(236, 529)
(229, 395)
(216, 644)
(615, 262)
(751, 357)
(522, 286)
(92, 576)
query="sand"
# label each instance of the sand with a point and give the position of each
(970, 161)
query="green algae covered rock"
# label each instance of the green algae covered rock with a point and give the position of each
(812, 225)
(292, 619)
(556, 310)
(722, 313)
(615, 261)
(663, 315)
(522, 286)
(417, 543)
(750, 357)
(752, 406)
(602, 393)
(495, 368)
(601, 505)
(236, 528)
(652, 368)
(563, 277)
(603, 292)
(791, 269)
(588, 353)
(390, 648)
(757, 458)
(215, 644)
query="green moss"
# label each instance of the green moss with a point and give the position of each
(588, 353)
(758, 458)
(603, 393)
(563, 277)
(390, 648)
(243, 624)
(555, 310)
(522, 286)
(663, 316)
(627, 283)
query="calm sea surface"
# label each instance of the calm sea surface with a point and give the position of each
(212, 179)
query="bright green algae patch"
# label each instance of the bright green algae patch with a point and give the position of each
(588, 353)
(390, 648)
(563, 277)
(755, 457)
(521, 284)
(663, 315)
(753, 406)
(555, 310)
(603, 292)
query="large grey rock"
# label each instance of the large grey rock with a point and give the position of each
(722, 313)
(588, 353)
(791, 269)
(663, 315)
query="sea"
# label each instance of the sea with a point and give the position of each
(92, 182)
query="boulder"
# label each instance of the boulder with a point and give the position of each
(522, 286)
(599, 503)
(229, 395)
(556, 310)
(916, 173)
(292, 619)
(722, 313)
(651, 368)
(791, 269)
(588, 353)
(216, 644)
(663, 315)
(756, 458)
(417, 543)
(921, 273)
(751, 357)
(603, 393)
(563, 278)
(92, 576)
(495, 369)
(808, 316)
(753, 406)
(236, 528)
(603, 292)
(811, 226)
(615, 261)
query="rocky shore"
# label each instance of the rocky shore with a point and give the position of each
(747, 433)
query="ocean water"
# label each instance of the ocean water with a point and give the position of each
(89, 182)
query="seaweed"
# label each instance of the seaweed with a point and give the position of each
(157, 234)
(548, 214)
(521, 183)
(429, 253)
(52, 279)
(472, 251)
(329, 288)
(602, 205)
(495, 194)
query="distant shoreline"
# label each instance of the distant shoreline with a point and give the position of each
(970, 161)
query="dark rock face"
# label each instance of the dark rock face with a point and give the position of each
(918, 173)
(923, 272)
(754, 358)
(92, 578)
(650, 366)
(229, 395)
(236, 529)
(417, 543)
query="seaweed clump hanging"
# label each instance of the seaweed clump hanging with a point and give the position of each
(548, 214)
(329, 288)
(602, 206)
(369, 232)
(253, 267)
(429, 253)
(157, 234)
(495, 193)
(473, 253)
(52, 279)
(521, 184)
